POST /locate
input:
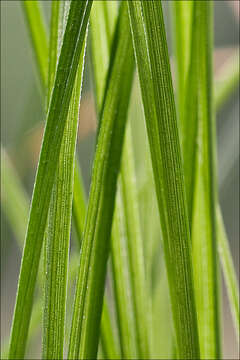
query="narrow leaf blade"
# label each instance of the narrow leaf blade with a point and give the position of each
(56, 119)
(85, 324)
(156, 85)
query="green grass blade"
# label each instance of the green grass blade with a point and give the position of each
(204, 233)
(59, 219)
(103, 22)
(79, 197)
(38, 34)
(156, 86)
(120, 271)
(108, 340)
(225, 82)
(90, 286)
(58, 234)
(186, 46)
(14, 198)
(107, 336)
(204, 219)
(131, 226)
(120, 266)
(56, 119)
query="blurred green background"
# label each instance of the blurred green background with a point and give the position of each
(22, 121)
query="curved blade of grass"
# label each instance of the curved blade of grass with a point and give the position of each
(16, 204)
(108, 341)
(14, 197)
(57, 235)
(119, 261)
(107, 336)
(187, 74)
(204, 233)
(56, 119)
(227, 81)
(79, 197)
(156, 85)
(90, 286)
(103, 20)
(204, 218)
(121, 255)
(38, 34)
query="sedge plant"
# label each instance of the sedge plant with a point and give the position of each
(130, 265)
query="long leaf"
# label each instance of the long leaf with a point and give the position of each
(225, 83)
(15, 203)
(108, 343)
(107, 336)
(205, 240)
(79, 196)
(156, 85)
(59, 218)
(90, 286)
(119, 261)
(56, 119)
(130, 251)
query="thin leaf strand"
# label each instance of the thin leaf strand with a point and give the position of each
(156, 85)
(96, 241)
(56, 119)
